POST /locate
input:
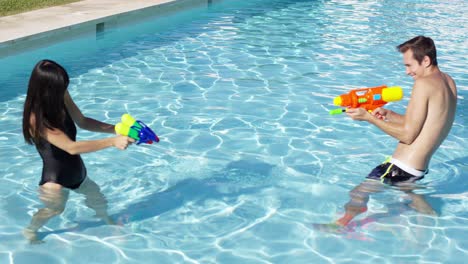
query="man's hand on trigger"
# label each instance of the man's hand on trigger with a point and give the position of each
(380, 113)
(359, 114)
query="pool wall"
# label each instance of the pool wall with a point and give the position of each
(72, 45)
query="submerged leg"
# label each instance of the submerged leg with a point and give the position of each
(418, 202)
(95, 200)
(359, 198)
(421, 205)
(356, 205)
(54, 197)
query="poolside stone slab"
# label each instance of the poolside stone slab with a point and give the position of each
(35, 29)
(35, 24)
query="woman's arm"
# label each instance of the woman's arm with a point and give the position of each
(59, 139)
(83, 121)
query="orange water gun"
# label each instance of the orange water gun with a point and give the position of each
(367, 98)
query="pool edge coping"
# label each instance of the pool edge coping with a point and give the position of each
(69, 28)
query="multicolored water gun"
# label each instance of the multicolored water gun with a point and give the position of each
(136, 129)
(367, 98)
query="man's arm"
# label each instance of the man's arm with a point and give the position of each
(406, 127)
(83, 121)
(388, 115)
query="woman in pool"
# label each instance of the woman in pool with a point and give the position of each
(49, 119)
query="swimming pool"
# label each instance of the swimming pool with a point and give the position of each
(249, 158)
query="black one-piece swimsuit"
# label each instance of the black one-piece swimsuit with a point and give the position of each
(58, 165)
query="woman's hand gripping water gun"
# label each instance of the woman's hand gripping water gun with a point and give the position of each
(136, 129)
(367, 98)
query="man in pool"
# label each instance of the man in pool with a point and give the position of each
(420, 131)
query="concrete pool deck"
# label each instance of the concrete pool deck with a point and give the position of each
(41, 23)
(48, 19)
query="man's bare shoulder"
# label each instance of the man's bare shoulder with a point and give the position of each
(436, 80)
(437, 85)
(426, 86)
(449, 80)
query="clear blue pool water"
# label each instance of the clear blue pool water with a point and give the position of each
(249, 158)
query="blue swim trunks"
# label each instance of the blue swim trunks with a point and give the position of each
(394, 172)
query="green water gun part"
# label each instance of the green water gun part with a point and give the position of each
(337, 111)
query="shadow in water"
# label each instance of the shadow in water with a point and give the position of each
(238, 177)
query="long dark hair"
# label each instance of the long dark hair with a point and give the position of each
(45, 99)
(421, 46)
